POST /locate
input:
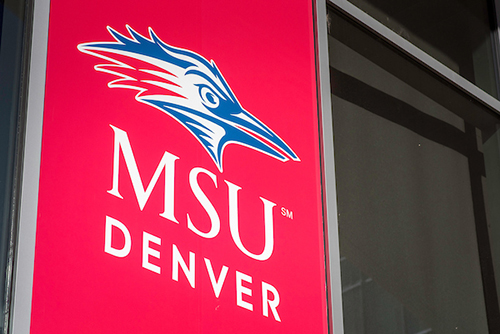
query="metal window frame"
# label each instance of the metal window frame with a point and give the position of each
(417, 54)
(329, 183)
(25, 249)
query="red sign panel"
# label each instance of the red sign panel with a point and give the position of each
(180, 186)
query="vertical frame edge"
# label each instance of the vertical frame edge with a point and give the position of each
(24, 264)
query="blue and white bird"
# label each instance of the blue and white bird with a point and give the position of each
(184, 85)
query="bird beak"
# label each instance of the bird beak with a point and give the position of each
(271, 143)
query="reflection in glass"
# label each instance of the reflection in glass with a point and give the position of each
(455, 32)
(418, 185)
(11, 46)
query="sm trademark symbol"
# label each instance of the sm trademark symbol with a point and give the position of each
(286, 213)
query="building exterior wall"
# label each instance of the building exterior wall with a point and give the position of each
(409, 168)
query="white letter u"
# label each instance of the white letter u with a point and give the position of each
(234, 225)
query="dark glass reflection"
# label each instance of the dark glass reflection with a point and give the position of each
(418, 185)
(11, 45)
(455, 32)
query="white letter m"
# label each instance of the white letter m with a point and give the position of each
(167, 162)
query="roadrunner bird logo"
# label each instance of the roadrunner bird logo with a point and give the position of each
(189, 88)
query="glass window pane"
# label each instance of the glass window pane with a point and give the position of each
(11, 42)
(457, 33)
(418, 184)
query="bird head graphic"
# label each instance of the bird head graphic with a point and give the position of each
(187, 87)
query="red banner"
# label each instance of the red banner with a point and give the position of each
(180, 186)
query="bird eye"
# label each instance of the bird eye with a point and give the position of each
(208, 97)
